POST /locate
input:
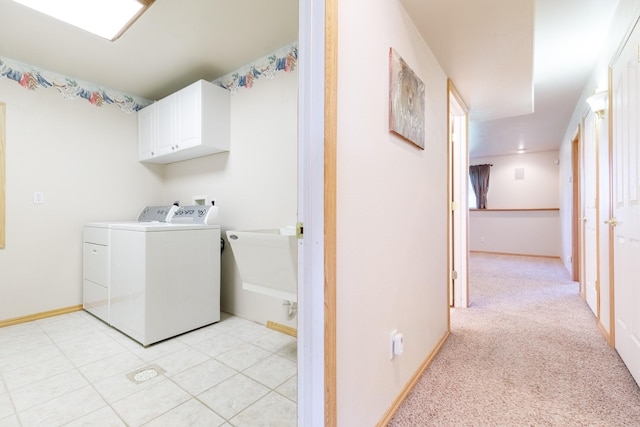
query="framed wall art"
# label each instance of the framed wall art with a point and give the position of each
(2, 174)
(406, 101)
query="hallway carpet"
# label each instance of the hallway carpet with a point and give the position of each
(527, 352)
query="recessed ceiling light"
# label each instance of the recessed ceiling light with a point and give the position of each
(105, 18)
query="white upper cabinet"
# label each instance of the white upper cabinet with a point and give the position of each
(165, 126)
(192, 122)
(146, 133)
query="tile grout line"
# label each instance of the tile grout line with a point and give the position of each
(269, 353)
(13, 405)
(89, 383)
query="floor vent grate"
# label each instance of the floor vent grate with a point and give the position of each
(145, 374)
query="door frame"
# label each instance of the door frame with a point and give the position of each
(317, 127)
(575, 216)
(458, 217)
(611, 337)
(3, 110)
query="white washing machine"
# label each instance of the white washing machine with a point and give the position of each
(154, 279)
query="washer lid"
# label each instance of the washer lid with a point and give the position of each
(159, 226)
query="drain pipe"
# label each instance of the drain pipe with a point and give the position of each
(293, 309)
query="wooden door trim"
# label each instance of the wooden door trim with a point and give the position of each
(452, 91)
(3, 193)
(575, 220)
(598, 127)
(330, 189)
(611, 338)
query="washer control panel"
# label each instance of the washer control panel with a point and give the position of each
(157, 213)
(197, 214)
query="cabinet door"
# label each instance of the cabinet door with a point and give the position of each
(95, 299)
(189, 116)
(146, 133)
(95, 265)
(166, 125)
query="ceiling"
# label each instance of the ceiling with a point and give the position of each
(520, 66)
(173, 44)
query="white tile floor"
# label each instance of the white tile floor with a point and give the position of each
(72, 370)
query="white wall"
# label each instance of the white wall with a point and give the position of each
(254, 184)
(515, 232)
(625, 16)
(84, 159)
(391, 213)
(538, 189)
(519, 232)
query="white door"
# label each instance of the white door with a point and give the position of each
(626, 209)
(312, 351)
(459, 167)
(604, 207)
(452, 222)
(589, 250)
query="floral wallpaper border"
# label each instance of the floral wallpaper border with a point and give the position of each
(32, 78)
(284, 59)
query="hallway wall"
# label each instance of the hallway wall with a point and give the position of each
(512, 231)
(391, 214)
(626, 15)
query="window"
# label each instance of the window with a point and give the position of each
(472, 195)
(105, 18)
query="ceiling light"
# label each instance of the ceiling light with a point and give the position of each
(521, 150)
(598, 103)
(105, 18)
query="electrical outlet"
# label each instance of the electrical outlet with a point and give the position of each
(38, 197)
(392, 338)
(398, 344)
(200, 200)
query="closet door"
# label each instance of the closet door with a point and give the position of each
(589, 204)
(625, 224)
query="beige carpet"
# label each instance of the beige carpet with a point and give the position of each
(526, 353)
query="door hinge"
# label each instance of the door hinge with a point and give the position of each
(299, 230)
(454, 275)
(453, 206)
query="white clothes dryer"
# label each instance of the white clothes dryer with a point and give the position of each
(163, 277)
